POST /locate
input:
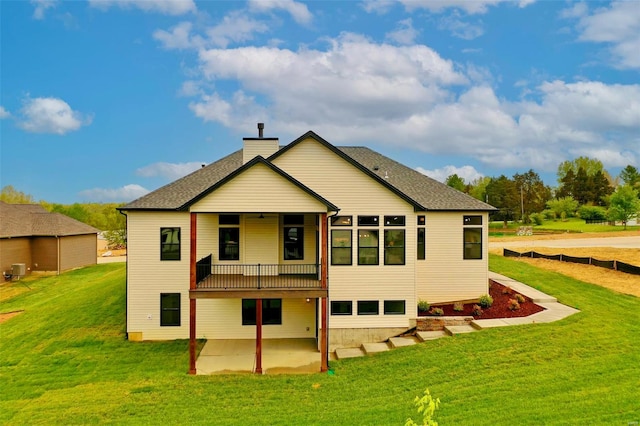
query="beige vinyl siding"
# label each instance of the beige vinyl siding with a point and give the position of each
(259, 189)
(254, 147)
(261, 240)
(222, 319)
(78, 251)
(445, 276)
(357, 194)
(148, 276)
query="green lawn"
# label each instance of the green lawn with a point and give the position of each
(569, 225)
(65, 360)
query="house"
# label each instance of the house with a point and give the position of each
(308, 240)
(43, 241)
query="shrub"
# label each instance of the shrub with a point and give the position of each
(476, 310)
(423, 306)
(426, 406)
(458, 307)
(438, 312)
(592, 213)
(486, 301)
(537, 218)
(506, 290)
(520, 298)
(513, 305)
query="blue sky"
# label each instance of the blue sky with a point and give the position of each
(106, 100)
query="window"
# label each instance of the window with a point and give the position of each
(422, 244)
(421, 220)
(229, 219)
(394, 221)
(341, 247)
(472, 220)
(271, 311)
(229, 243)
(368, 220)
(368, 307)
(394, 247)
(170, 309)
(394, 307)
(341, 307)
(293, 237)
(341, 221)
(368, 247)
(169, 243)
(473, 243)
(294, 243)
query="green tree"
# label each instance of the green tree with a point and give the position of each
(630, 176)
(456, 182)
(600, 188)
(534, 194)
(624, 204)
(503, 194)
(478, 188)
(590, 166)
(566, 205)
(10, 195)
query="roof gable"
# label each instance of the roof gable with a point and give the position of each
(29, 220)
(300, 193)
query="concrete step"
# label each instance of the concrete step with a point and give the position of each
(458, 329)
(373, 348)
(344, 353)
(399, 342)
(423, 336)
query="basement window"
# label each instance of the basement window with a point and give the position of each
(170, 309)
(394, 307)
(341, 307)
(368, 307)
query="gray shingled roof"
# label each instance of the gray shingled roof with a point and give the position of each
(28, 220)
(422, 191)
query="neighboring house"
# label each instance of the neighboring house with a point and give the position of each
(308, 240)
(43, 241)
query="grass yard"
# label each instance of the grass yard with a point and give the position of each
(572, 225)
(65, 360)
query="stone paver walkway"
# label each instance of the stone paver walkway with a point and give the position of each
(554, 311)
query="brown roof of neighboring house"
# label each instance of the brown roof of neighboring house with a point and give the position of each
(29, 220)
(418, 189)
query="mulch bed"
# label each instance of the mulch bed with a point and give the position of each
(499, 308)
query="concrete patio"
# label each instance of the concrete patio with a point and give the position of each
(289, 356)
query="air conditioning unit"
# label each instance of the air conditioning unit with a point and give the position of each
(19, 269)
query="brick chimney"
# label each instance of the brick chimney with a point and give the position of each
(252, 147)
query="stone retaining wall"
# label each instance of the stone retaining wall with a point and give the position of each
(439, 323)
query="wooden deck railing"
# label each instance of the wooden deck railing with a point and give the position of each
(257, 276)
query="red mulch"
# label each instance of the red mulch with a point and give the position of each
(499, 308)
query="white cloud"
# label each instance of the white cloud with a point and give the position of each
(378, 6)
(126, 193)
(459, 28)
(468, 173)
(4, 113)
(298, 11)
(50, 115)
(166, 7)
(405, 34)
(235, 27)
(179, 37)
(41, 7)
(617, 25)
(471, 7)
(170, 171)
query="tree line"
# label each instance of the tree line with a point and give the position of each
(585, 189)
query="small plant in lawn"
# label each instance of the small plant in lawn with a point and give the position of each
(458, 306)
(486, 301)
(513, 304)
(426, 406)
(476, 311)
(423, 306)
(520, 298)
(438, 312)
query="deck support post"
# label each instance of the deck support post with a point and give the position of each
(324, 333)
(192, 302)
(258, 336)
